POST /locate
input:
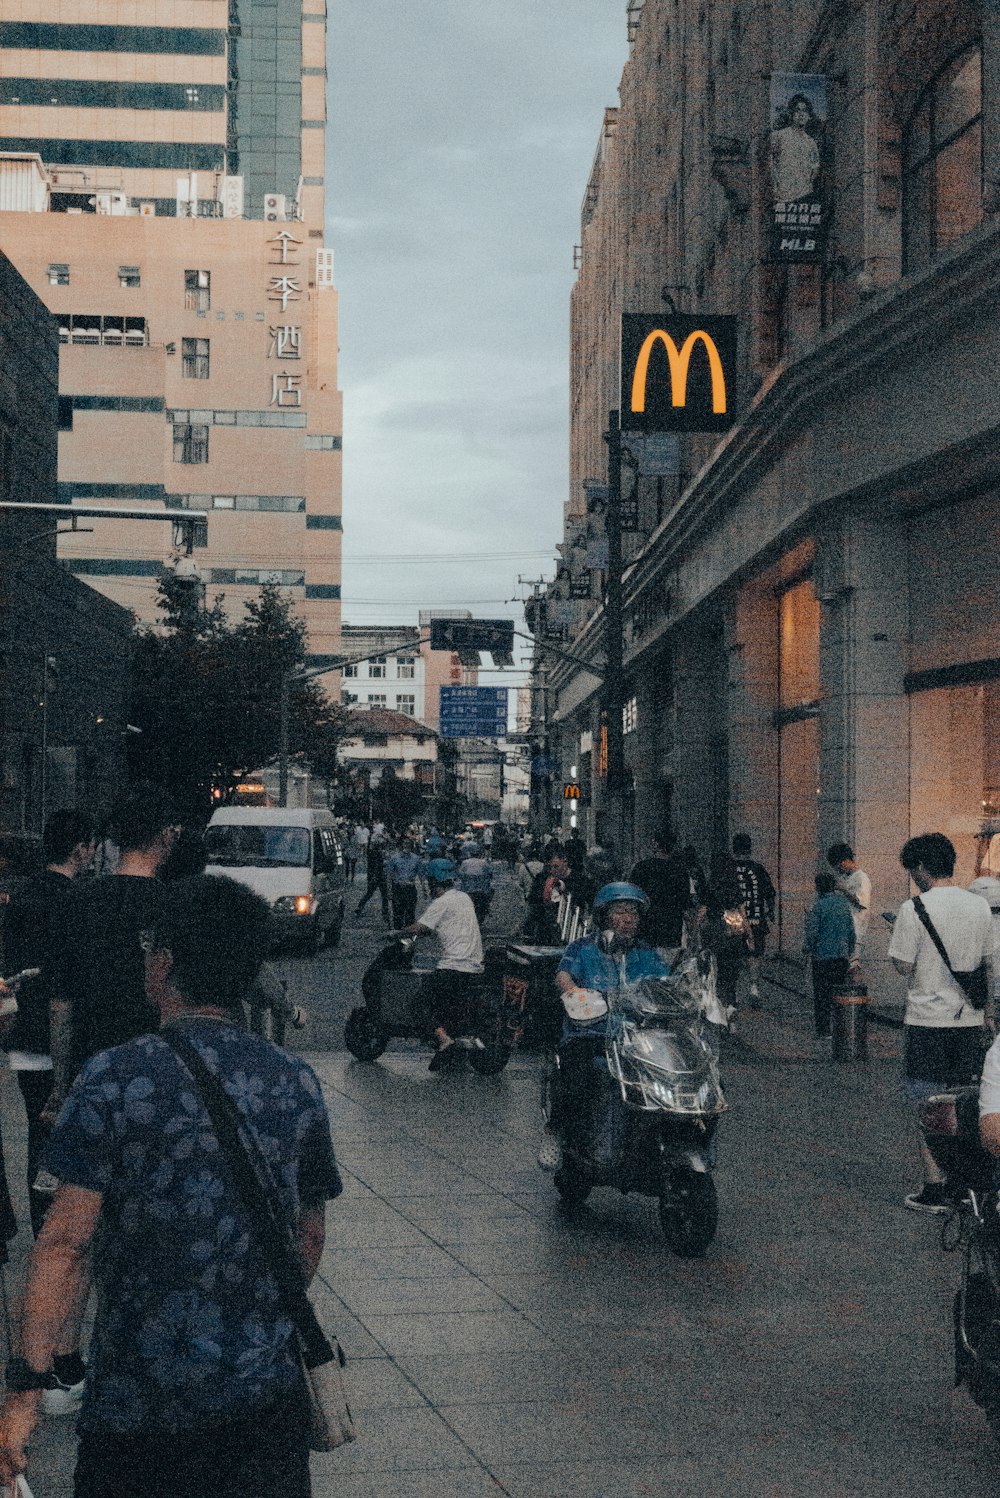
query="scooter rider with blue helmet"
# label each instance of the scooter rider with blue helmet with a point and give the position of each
(451, 917)
(590, 969)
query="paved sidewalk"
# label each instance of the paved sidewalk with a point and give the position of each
(498, 1347)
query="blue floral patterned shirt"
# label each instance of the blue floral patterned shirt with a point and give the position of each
(189, 1331)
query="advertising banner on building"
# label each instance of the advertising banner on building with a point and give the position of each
(799, 211)
(678, 372)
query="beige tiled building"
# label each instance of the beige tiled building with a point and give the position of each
(162, 189)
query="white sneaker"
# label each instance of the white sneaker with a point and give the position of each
(61, 1399)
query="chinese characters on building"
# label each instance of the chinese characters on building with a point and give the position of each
(285, 287)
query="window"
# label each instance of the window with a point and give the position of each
(406, 669)
(112, 332)
(190, 444)
(377, 699)
(377, 668)
(195, 357)
(350, 671)
(197, 290)
(943, 162)
(129, 276)
(407, 704)
(58, 275)
(630, 715)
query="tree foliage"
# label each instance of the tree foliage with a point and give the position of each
(207, 696)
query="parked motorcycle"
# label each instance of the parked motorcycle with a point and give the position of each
(639, 1108)
(394, 1007)
(950, 1123)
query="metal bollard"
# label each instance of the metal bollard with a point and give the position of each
(850, 1023)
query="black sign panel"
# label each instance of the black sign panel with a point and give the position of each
(678, 373)
(495, 636)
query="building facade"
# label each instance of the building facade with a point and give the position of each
(392, 677)
(64, 650)
(162, 190)
(812, 601)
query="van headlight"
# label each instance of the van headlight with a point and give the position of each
(293, 905)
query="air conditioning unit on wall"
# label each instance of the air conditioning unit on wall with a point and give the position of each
(275, 207)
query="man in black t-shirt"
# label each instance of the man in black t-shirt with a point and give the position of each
(98, 980)
(33, 927)
(758, 894)
(664, 878)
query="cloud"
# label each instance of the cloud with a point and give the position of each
(462, 135)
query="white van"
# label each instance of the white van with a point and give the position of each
(293, 858)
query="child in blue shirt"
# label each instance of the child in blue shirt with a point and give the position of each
(829, 942)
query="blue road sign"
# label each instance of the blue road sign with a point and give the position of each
(473, 712)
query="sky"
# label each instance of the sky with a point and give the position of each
(462, 133)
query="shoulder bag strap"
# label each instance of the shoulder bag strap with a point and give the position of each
(260, 1204)
(929, 927)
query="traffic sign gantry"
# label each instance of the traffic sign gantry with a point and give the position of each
(470, 636)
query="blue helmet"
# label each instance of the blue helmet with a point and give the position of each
(612, 894)
(441, 870)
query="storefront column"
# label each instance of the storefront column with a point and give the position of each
(645, 752)
(750, 641)
(699, 758)
(861, 580)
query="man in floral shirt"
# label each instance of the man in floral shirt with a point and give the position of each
(192, 1385)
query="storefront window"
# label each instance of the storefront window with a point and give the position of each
(799, 648)
(955, 772)
(943, 162)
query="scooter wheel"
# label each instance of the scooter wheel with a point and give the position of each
(689, 1212)
(491, 1061)
(572, 1184)
(362, 1036)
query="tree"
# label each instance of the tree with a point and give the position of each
(207, 696)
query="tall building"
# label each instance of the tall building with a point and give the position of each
(162, 190)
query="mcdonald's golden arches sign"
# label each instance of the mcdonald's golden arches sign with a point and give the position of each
(678, 373)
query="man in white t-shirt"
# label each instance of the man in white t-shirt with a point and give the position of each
(855, 885)
(944, 1033)
(451, 917)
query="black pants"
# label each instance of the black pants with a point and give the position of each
(35, 1089)
(265, 1456)
(447, 1000)
(376, 881)
(828, 974)
(350, 866)
(404, 904)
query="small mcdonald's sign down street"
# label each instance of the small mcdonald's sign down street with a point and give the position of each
(572, 792)
(678, 373)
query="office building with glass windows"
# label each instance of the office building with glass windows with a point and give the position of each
(162, 190)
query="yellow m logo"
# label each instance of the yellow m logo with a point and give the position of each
(680, 360)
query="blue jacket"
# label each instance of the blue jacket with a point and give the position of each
(590, 966)
(830, 928)
(404, 868)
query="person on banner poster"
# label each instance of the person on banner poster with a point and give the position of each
(795, 154)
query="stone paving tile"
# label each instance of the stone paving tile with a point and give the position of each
(425, 1296)
(396, 1441)
(411, 1261)
(491, 1377)
(471, 1482)
(465, 1332)
(372, 1230)
(376, 1384)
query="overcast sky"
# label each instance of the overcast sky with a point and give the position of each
(461, 138)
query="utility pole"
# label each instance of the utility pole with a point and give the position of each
(613, 694)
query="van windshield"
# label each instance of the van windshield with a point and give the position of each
(253, 847)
